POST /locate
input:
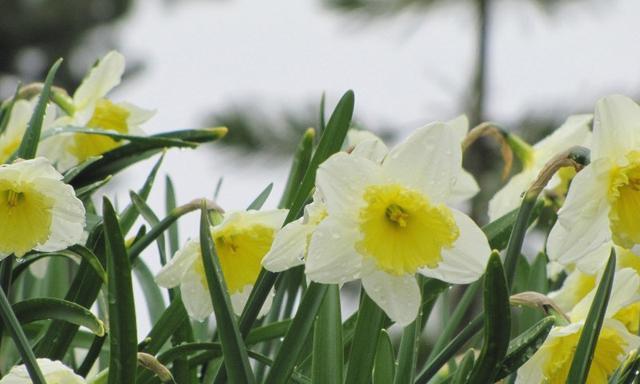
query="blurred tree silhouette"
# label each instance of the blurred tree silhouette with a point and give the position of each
(34, 33)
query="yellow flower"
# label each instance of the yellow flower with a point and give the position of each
(241, 241)
(604, 199)
(389, 220)
(37, 210)
(54, 372)
(91, 109)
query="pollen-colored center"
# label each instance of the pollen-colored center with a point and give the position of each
(25, 218)
(624, 198)
(240, 251)
(402, 231)
(107, 116)
(560, 352)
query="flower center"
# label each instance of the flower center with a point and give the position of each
(402, 231)
(624, 197)
(107, 116)
(25, 218)
(240, 251)
(560, 353)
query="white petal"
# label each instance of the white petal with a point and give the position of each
(30, 170)
(624, 291)
(332, 257)
(574, 131)
(68, 215)
(465, 188)
(342, 180)
(429, 160)
(460, 126)
(173, 272)
(374, 150)
(569, 294)
(616, 128)
(99, 81)
(398, 296)
(272, 218)
(510, 196)
(195, 296)
(239, 300)
(137, 117)
(289, 247)
(583, 221)
(53, 372)
(467, 260)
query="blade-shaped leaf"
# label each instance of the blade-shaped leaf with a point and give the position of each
(51, 308)
(259, 201)
(299, 166)
(384, 364)
(327, 340)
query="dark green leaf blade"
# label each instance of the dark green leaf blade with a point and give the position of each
(384, 364)
(327, 340)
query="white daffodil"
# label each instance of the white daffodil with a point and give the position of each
(291, 244)
(54, 372)
(574, 131)
(91, 109)
(604, 198)
(11, 137)
(574, 288)
(241, 241)
(551, 363)
(37, 210)
(388, 221)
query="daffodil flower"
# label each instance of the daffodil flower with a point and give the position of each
(91, 109)
(291, 244)
(11, 137)
(37, 210)
(574, 131)
(241, 241)
(603, 202)
(54, 372)
(551, 363)
(388, 221)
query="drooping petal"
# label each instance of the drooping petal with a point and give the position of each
(398, 296)
(467, 259)
(289, 247)
(616, 128)
(332, 257)
(429, 160)
(173, 272)
(583, 221)
(53, 372)
(342, 180)
(195, 295)
(99, 81)
(239, 300)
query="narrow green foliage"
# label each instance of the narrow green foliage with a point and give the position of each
(365, 340)
(153, 220)
(384, 365)
(29, 145)
(131, 212)
(299, 166)
(122, 316)
(259, 201)
(522, 347)
(152, 294)
(268, 332)
(499, 231)
(592, 325)
(408, 352)
(234, 350)
(50, 308)
(327, 340)
(464, 369)
(22, 344)
(300, 328)
(497, 326)
(170, 204)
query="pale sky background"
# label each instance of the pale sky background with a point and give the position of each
(202, 56)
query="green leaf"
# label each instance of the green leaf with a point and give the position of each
(365, 340)
(72, 172)
(85, 192)
(125, 155)
(384, 363)
(152, 294)
(234, 350)
(300, 328)
(51, 308)
(257, 203)
(299, 166)
(524, 346)
(327, 340)
(153, 220)
(170, 205)
(29, 145)
(592, 325)
(408, 352)
(147, 140)
(170, 320)
(20, 340)
(131, 212)
(499, 231)
(497, 323)
(465, 367)
(123, 360)
(268, 332)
